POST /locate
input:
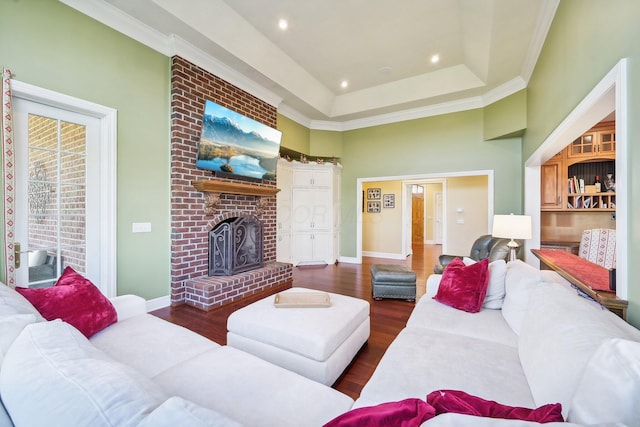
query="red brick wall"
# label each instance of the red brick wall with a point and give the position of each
(191, 86)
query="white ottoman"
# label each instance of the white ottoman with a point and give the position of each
(318, 343)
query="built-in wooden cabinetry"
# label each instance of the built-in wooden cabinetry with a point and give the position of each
(308, 212)
(593, 153)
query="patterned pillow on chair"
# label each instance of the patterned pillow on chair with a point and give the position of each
(599, 247)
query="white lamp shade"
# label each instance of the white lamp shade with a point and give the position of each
(512, 226)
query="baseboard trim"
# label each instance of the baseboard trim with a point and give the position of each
(158, 303)
(383, 255)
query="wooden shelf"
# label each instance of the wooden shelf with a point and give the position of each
(213, 186)
(586, 201)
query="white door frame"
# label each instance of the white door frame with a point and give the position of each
(610, 94)
(438, 210)
(437, 177)
(108, 177)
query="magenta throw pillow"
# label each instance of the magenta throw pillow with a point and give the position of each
(405, 413)
(459, 402)
(464, 287)
(75, 300)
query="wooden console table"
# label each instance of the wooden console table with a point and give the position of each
(590, 283)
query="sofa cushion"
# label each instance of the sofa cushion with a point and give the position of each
(423, 360)
(75, 300)
(520, 280)
(495, 291)
(464, 287)
(10, 328)
(486, 325)
(610, 385)
(464, 420)
(11, 302)
(560, 333)
(251, 390)
(177, 411)
(5, 420)
(141, 342)
(52, 375)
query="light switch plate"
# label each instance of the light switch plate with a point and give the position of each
(141, 227)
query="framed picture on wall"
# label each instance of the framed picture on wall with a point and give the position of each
(389, 201)
(373, 207)
(374, 193)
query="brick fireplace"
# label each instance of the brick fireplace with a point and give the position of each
(196, 211)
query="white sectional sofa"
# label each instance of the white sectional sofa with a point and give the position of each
(143, 371)
(540, 343)
(543, 344)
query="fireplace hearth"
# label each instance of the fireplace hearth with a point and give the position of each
(235, 246)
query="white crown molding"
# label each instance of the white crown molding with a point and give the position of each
(416, 113)
(173, 45)
(545, 18)
(169, 45)
(113, 17)
(294, 115)
(509, 88)
(200, 58)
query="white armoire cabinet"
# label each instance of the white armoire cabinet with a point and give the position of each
(312, 193)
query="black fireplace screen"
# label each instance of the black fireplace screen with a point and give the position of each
(235, 246)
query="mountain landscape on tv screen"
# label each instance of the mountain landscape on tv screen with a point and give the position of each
(226, 147)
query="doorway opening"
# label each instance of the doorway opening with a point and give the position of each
(404, 236)
(608, 96)
(72, 207)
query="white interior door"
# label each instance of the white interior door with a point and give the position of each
(57, 193)
(437, 221)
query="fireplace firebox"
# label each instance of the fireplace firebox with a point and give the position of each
(235, 246)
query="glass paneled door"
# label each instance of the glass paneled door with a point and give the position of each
(57, 202)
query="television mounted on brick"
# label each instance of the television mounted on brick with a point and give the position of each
(233, 145)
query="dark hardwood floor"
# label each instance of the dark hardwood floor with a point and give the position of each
(388, 317)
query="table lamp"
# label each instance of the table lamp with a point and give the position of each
(512, 227)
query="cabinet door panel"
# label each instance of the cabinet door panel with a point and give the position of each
(551, 194)
(322, 178)
(302, 177)
(283, 247)
(312, 209)
(302, 247)
(302, 209)
(323, 247)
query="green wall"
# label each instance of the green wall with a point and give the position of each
(47, 44)
(506, 117)
(325, 143)
(50, 45)
(586, 40)
(441, 144)
(294, 136)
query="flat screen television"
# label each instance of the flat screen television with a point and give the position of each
(232, 144)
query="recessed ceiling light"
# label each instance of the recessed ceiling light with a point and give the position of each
(283, 24)
(344, 84)
(435, 58)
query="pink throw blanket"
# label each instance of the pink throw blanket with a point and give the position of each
(413, 412)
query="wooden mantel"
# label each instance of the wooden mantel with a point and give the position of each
(213, 186)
